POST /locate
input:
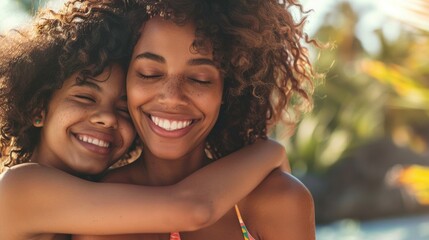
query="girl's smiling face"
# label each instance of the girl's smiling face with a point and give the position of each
(174, 95)
(86, 127)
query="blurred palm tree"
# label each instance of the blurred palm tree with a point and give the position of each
(348, 106)
(366, 96)
(368, 100)
(408, 77)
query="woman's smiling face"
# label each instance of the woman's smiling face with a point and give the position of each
(174, 95)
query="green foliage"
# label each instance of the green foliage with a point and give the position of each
(363, 95)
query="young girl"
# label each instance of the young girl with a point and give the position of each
(64, 115)
(224, 71)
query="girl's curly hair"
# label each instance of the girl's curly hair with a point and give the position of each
(35, 61)
(258, 45)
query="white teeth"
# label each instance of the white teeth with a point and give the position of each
(170, 125)
(93, 141)
(174, 125)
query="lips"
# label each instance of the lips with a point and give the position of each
(93, 140)
(170, 125)
(97, 143)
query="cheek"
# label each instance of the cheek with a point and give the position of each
(136, 93)
(134, 105)
(217, 99)
(128, 132)
(133, 102)
(210, 103)
(61, 116)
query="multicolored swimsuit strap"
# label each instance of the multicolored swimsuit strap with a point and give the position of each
(175, 236)
(244, 230)
(246, 234)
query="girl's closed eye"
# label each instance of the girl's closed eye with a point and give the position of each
(85, 98)
(123, 110)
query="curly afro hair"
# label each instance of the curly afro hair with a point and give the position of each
(258, 46)
(35, 61)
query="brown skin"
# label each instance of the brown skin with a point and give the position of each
(279, 207)
(43, 197)
(61, 202)
(79, 114)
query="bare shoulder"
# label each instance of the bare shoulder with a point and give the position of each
(21, 185)
(25, 181)
(282, 187)
(24, 174)
(285, 203)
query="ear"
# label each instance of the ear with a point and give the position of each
(39, 119)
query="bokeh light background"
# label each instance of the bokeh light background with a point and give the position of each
(363, 152)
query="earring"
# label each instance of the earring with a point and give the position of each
(37, 122)
(38, 118)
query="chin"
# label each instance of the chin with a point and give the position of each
(90, 170)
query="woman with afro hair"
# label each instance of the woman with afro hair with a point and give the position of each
(65, 120)
(207, 78)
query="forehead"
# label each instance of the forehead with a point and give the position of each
(158, 30)
(158, 33)
(161, 26)
(113, 76)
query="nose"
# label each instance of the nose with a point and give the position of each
(173, 92)
(104, 117)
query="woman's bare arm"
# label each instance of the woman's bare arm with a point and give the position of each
(52, 201)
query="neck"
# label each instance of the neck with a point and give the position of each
(46, 160)
(161, 172)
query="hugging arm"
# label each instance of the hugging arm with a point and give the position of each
(234, 176)
(52, 201)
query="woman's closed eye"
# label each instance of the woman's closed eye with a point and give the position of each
(150, 76)
(200, 81)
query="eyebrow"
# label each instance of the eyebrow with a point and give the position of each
(161, 59)
(88, 84)
(151, 56)
(201, 61)
(97, 88)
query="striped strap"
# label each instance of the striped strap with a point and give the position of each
(174, 236)
(244, 230)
